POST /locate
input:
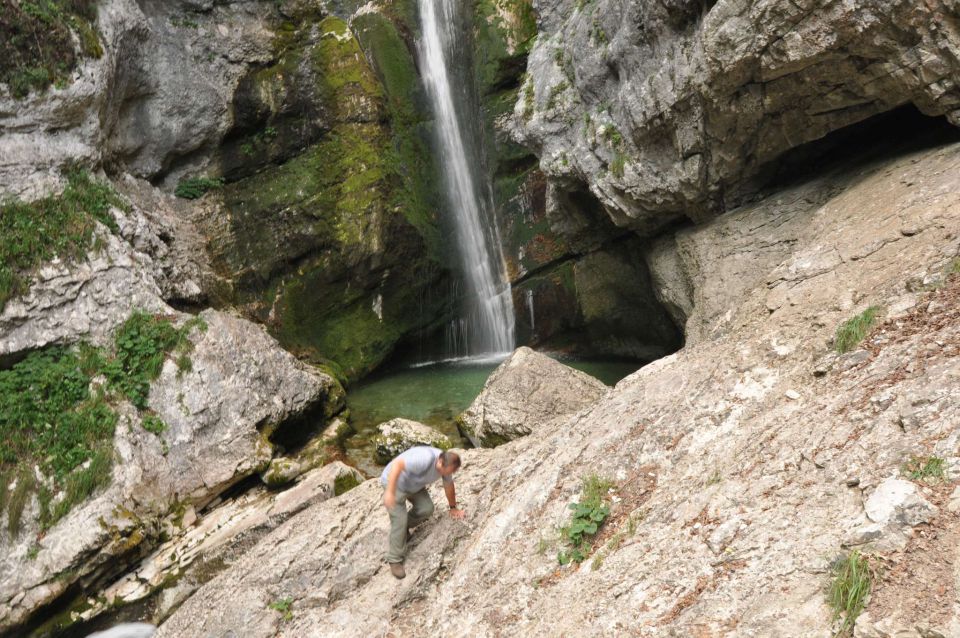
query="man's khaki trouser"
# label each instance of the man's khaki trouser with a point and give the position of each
(401, 520)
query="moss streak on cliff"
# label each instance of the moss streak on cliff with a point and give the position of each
(335, 247)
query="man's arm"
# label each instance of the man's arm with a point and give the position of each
(451, 493)
(390, 496)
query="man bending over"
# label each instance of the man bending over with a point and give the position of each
(406, 478)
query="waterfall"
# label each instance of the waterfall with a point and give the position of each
(487, 324)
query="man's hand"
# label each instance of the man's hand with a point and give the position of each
(456, 512)
(389, 500)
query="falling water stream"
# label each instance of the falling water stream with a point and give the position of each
(486, 326)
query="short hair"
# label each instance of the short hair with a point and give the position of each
(450, 458)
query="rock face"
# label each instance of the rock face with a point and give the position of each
(729, 499)
(666, 110)
(316, 123)
(527, 391)
(240, 389)
(398, 435)
(579, 284)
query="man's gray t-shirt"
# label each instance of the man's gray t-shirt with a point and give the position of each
(420, 469)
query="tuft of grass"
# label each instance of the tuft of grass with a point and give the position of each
(618, 164)
(284, 606)
(851, 332)
(60, 226)
(587, 517)
(197, 187)
(847, 594)
(929, 469)
(26, 481)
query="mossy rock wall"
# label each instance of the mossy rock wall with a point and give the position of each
(327, 229)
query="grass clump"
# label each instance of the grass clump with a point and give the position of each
(56, 420)
(929, 469)
(618, 164)
(37, 42)
(847, 594)
(851, 332)
(60, 226)
(50, 419)
(197, 187)
(284, 606)
(587, 517)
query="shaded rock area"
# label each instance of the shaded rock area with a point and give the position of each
(398, 435)
(730, 497)
(669, 110)
(580, 284)
(524, 393)
(204, 544)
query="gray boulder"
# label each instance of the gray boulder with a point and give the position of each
(527, 390)
(398, 435)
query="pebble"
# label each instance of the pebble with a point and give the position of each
(793, 395)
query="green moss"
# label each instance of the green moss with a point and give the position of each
(197, 187)
(60, 226)
(345, 75)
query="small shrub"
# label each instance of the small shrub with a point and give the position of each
(847, 595)
(197, 187)
(344, 483)
(851, 332)
(284, 606)
(588, 515)
(929, 468)
(153, 424)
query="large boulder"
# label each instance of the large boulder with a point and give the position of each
(397, 435)
(528, 390)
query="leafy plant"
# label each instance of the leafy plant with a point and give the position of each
(851, 332)
(587, 517)
(925, 468)
(847, 594)
(284, 606)
(197, 187)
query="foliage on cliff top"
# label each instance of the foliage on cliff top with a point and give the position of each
(54, 417)
(60, 226)
(36, 42)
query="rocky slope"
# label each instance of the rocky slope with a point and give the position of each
(741, 467)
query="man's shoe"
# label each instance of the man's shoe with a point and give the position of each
(397, 570)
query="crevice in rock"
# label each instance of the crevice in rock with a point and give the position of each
(902, 130)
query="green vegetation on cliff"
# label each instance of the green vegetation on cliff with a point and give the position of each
(57, 415)
(59, 226)
(36, 42)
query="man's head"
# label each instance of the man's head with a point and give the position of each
(448, 463)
